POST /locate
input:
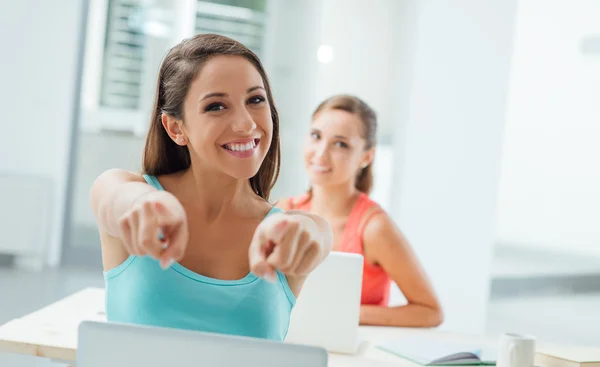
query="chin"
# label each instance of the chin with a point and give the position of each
(327, 180)
(243, 173)
(318, 180)
(241, 169)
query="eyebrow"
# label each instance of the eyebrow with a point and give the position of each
(250, 90)
(220, 94)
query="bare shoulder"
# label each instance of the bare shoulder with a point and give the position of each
(380, 235)
(292, 202)
(378, 221)
(284, 203)
(109, 180)
(117, 175)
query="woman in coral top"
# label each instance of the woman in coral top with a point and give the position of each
(338, 156)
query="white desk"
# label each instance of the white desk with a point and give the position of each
(51, 332)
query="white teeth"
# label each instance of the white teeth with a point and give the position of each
(241, 147)
(319, 168)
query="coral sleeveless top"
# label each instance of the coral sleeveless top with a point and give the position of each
(376, 282)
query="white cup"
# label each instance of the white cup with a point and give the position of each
(516, 350)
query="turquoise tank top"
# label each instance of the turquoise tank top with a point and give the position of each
(139, 291)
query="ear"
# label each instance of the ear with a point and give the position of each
(367, 158)
(174, 128)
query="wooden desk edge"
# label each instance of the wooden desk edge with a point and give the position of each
(45, 351)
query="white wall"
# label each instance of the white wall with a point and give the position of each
(362, 65)
(449, 145)
(290, 61)
(39, 42)
(361, 34)
(98, 152)
(549, 196)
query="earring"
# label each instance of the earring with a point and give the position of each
(363, 166)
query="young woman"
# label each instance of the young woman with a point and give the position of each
(193, 242)
(338, 156)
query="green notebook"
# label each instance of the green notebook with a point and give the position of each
(431, 352)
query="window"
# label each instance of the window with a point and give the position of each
(128, 38)
(241, 20)
(123, 55)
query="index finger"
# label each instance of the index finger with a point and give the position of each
(174, 242)
(258, 251)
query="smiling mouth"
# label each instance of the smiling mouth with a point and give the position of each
(319, 169)
(242, 149)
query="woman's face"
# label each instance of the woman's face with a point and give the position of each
(335, 152)
(227, 122)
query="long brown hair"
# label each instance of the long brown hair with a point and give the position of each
(177, 71)
(368, 117)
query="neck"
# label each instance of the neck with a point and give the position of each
(214, 193)
(335, 200)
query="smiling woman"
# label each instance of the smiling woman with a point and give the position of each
(210, 161)
(338, 156)
(216, 114)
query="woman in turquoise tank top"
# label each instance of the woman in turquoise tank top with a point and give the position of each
(193, 242)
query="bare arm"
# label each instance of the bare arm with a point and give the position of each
(130, 212)
(386, 245)
(113, 194)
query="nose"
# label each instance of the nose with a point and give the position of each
(243, 122)
(320, 152)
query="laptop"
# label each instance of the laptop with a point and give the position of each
(328, 308)
(119, 345)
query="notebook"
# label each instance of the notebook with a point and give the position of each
(568, 357)
(431, 352)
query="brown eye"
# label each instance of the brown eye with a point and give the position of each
(256, 100)
(214, 107)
